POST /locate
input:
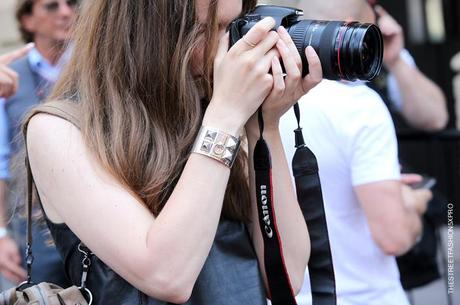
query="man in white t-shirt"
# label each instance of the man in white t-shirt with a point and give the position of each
(349, 129)
(372, 216)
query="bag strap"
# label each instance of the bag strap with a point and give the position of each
(63, 109)
(68, 111)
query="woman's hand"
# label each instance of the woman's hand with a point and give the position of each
(242, 78)
(289, 88)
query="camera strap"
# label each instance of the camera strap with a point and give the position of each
(281, 292)
(310, 197)
(305, 169)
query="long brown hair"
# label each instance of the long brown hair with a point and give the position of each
(141, 110)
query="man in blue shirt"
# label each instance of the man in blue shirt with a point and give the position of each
(8, 86)
(48, 24)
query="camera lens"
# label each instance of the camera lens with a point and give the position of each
(371, 49)
(347, 51)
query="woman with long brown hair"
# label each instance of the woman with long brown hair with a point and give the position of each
(144, 179)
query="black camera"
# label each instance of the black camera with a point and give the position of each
(347, 50)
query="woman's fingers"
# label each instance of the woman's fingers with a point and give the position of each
(278, 78)
(256, 59)
(255, 35)
(222, 49)
(293, 74)
(278, 87)
(266, 44)
(284, 35)
(265, 63)
(316, 72)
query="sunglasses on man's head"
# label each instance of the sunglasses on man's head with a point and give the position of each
(53, 6)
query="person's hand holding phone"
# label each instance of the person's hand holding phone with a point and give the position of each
(416, 199)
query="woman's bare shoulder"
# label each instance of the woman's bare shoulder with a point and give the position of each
(52, 144)
(41, 120)
(50, 131)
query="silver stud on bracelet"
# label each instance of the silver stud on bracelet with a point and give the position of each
(217, 145)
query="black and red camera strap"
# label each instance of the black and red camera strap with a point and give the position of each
(281, 291)
(309, 194)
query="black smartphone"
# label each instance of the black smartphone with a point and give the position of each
(426, 183)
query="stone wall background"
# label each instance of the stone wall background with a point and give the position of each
(9, 35)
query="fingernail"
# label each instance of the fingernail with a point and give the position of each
(282, 29)
(310, 51)
(270, 20)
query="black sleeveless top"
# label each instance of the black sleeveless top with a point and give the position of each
(230, 275)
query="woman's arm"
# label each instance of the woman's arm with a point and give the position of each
(164, 256)
(161, 256)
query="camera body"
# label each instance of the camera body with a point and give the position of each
(284, 16)
(347, 51)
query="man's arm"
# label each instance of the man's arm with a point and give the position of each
(393, 211)
(423, 103)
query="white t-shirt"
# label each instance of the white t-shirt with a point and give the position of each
(350, 130)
